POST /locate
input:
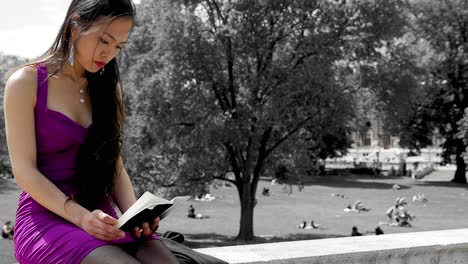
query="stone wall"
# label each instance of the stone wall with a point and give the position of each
(434, 247)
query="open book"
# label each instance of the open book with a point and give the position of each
(146, 209)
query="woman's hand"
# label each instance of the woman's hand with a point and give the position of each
(146, 229)
(101, 225)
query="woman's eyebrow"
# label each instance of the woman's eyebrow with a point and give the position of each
(122, 42)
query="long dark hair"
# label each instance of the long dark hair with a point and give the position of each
(97, 159)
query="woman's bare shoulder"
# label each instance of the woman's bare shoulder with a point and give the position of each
(22, 81)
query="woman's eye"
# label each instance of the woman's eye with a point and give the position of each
(105, 42)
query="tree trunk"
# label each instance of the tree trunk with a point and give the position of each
(246, 221)
(461, 170)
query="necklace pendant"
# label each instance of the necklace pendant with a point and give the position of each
(82, 100)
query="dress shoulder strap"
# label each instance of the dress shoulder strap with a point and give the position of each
(41, 101)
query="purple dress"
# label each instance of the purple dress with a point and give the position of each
(41, 236)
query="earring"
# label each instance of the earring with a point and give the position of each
(71, 57)
(102, 71)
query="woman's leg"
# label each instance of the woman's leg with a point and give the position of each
(154, 251)
(109, 254)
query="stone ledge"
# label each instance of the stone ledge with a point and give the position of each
(434, 247)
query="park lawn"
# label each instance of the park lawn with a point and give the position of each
(276, 216)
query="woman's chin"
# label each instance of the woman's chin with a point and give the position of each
(94, 70)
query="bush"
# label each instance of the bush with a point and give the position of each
(362, 171)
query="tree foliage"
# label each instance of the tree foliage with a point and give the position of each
(221, 86)
(443, 25)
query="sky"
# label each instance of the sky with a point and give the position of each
(28, 27)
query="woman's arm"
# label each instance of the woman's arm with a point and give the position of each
(124, 195)
(19, 101)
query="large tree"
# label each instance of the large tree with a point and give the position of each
(220, 86)
(443, 25)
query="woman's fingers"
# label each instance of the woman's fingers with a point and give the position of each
(146, 229)
(109, 231)
(101, 225)
(155, 224)
(102, 234)
(136, 231)
(106, 218)
(107, 226)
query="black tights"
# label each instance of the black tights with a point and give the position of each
(144, 252)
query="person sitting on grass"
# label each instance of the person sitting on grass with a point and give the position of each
(7, 230)
(357, 207)
(392, 211)
(191, 212)
(398, 215)
(302, 225)
(355, 232)
(420, 197)
(205, 198)
(403, 217)
(312, 225)
(379, 231)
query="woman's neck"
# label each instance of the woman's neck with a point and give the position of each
(76, 72)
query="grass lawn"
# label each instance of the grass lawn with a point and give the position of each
(276, 216)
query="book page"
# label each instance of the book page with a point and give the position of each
(146, 201)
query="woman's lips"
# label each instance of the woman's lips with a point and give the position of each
(100, 64)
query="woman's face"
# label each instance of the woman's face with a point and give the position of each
(98, 45)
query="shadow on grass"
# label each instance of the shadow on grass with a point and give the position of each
(349, 173)
(349, 181)
(441, 184)
(217, 240)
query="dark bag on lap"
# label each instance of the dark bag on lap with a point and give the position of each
(184, 254)
(174, 236)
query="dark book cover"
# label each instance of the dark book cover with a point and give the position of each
(146, 209)
(147, 215)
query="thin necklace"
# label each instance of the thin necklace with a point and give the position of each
(82, 100)
(81, 97)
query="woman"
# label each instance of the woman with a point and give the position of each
(63, 116)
